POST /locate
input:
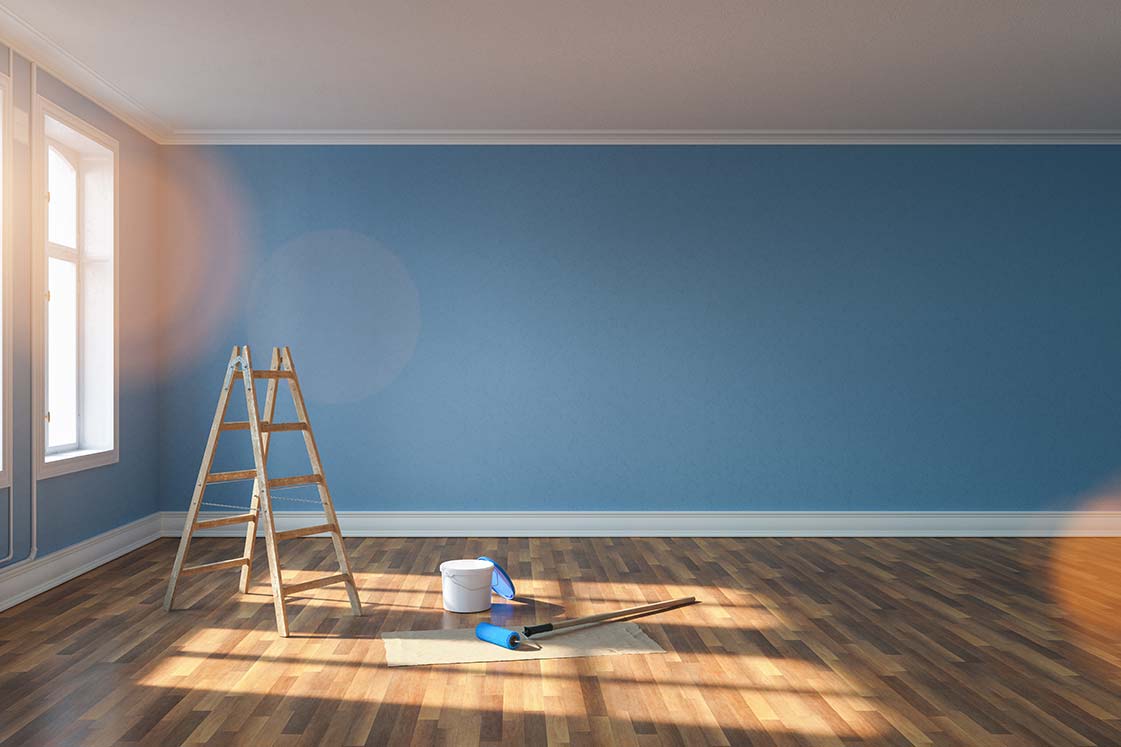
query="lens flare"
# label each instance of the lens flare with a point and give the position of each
(206, 243)
(347, 307)
(1086, 570)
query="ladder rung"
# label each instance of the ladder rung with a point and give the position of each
(219, 566)
(265, 426)
(273, 375)
(315, 583)
(287, 482)
(235, 519)
(241, 474)
(305, 531)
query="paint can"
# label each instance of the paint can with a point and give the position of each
(467, 584)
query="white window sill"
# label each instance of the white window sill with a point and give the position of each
(77, 460)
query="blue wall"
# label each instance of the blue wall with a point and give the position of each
(677, 328)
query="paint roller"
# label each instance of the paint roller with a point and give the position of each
(511, 639)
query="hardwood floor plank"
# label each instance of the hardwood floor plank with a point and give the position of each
(925, 641)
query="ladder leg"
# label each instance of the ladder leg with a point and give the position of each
(265, 496)
(255, 499)
(340, 551)
(250, 539)
(200, 484)
(324, 493)
(275, 578)
(344, 565)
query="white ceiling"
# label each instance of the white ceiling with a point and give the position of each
(226, 70)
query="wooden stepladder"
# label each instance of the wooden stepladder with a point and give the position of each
(260, 505)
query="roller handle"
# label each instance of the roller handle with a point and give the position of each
(605, 616)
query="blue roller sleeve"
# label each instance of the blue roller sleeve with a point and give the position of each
(498, 636)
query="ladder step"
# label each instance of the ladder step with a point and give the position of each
(273, 375)
(219, 566)
(225, 520)
(241, 474)
(315, 583)
(287, 482)
(265, 426)
(305, 531)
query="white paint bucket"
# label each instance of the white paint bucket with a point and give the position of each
(466, 585)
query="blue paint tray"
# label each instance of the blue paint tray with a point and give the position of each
(500, 582)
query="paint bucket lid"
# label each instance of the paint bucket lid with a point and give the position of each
(465, 567)
(500, 582)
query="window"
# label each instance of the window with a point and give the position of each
(62, 185)
(62, 354)
(79, 377)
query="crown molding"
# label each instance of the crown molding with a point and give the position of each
(644, 137)
(31, 44)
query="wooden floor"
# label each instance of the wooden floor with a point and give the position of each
(798, 641)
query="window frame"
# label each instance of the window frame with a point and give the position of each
(6, 321)
(62, 460)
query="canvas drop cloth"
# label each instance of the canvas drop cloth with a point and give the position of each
(460, 646)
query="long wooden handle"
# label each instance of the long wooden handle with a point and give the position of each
(652, 607)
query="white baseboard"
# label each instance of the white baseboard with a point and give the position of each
(690, 523)
(25, 580)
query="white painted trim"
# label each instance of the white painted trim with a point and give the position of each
(34, 46)
(22, 582)
(7, 328)
(643, 137)
(7, 250)
(67, 462)
(685, 523)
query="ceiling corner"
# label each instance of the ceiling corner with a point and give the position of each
(31, 44)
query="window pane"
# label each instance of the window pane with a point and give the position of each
(62, 353)
(62, 183)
